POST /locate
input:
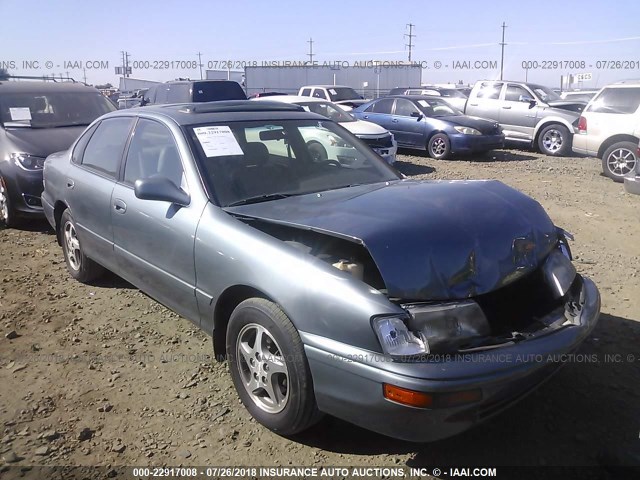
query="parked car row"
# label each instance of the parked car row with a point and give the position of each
(331, 286)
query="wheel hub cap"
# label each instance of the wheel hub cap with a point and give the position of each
(622, 162)
(72, 246)
(439, 146)
(262, 368)
(4, 206)
(552, 140)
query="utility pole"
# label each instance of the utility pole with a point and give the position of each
(310, 54)
(125, 63)
(410, 35)
(84, 75)
(200, 64)
(502, 44)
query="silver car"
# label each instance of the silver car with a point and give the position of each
(412, 308)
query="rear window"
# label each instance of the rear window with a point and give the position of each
(616, 100)
(219, 90)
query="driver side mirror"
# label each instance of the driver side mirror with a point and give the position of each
(416, 115)
(160, 188)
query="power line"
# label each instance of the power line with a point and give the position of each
(410, 35)
(310, 54)
(502, 44)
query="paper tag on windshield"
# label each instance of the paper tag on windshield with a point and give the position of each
(424, 103)
(332, 91)
(20, 113)
(218, 141)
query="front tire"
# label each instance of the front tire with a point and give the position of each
(619, 160)
(318, 152)
(81, 267)
(269, 368)
(439, 146)
(7, 212)
(555, 140)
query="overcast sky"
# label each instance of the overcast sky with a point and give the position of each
(589, 31)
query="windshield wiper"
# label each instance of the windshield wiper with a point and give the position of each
(260, 198)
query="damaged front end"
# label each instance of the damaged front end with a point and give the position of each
(544, 300)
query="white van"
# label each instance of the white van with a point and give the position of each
(609, 128)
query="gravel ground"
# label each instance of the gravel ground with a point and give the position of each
(103, 375)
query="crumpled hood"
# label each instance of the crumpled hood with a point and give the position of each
(570, 105)
(431, 240)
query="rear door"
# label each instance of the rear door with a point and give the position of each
(154, 240)
(380, 112)
(89, 185)
(485, 101)
(409, 130)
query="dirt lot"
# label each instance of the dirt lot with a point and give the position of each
(104, 375)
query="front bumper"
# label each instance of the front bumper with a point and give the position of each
(25, 189)
(632, 185)
(461, 143)
(348, 382)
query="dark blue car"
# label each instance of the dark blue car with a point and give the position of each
(431, 124)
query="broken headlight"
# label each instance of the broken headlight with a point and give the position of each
(432, 328)
(559, 273)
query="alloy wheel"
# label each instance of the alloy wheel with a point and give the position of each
(4, 202)
(552, 140)
(262, 368)
(621, 162)
(72, 246)
(438, 147)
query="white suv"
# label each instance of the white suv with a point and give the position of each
(609, 129)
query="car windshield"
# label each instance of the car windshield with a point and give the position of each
(545, 93)
(338, 94)
(248, 162)
(48, 110)
(329, 110)
(437, 107)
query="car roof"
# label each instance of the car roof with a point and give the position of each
(411, 97)
(30, 86)
(290, 99)
(174, 82)
(223, 110)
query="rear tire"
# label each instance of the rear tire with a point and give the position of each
(269, 368)
(619, 160)
(81, 267)
(439, 146)
(555, 140)
(7, 212)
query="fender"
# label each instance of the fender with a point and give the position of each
(545, 121)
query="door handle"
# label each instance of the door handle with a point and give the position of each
(119, 206)
(70, 183)
(365, 116)
(473, 104)
(507, 107)
(394, 120)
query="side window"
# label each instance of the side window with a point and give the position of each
(306, 92)
(153, 151)
(78, 150)
(319, 93)
(383, 106)
(405, 107)
(616, 100)
(516, 93)
(104, 150)
(490, 91)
